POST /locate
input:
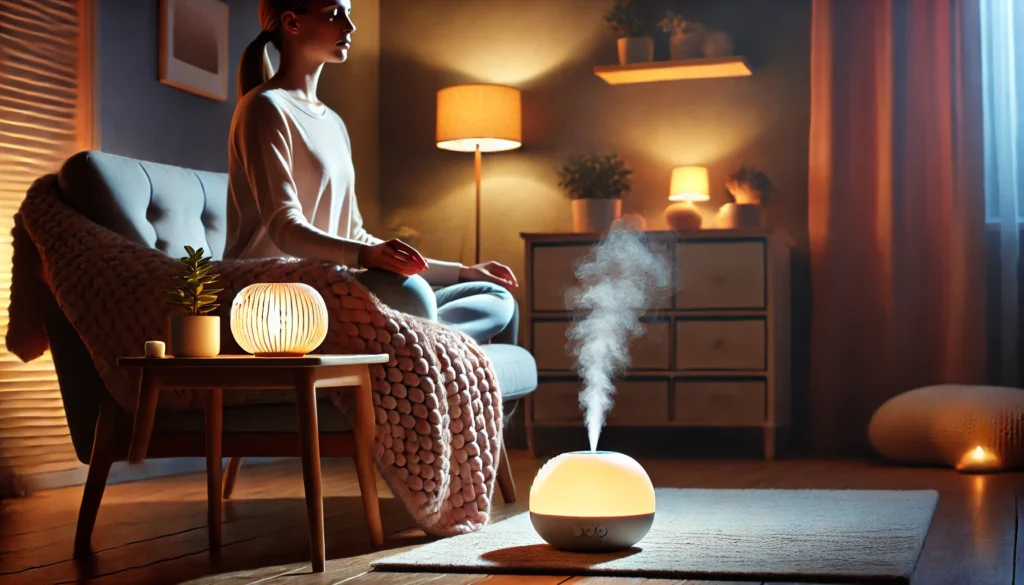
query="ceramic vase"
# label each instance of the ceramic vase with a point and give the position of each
(684, 46)
(195, 336)
(739, 215)
(595, 215)
(636, 50)
(717, 44)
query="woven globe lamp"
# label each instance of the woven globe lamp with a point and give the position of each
(689, 184)
(279, 319)
(592, 501)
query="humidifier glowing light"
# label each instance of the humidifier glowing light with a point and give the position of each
(592, 501)
(279, 319)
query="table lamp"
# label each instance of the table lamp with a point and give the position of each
(479, 118)
(689, 184)
(279, 319)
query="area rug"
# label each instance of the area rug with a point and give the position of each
(823, 535)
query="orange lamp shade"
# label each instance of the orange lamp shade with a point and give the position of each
(279, 319)
(488, 116)
(592, 500)
(689, 184)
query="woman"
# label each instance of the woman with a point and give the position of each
(291, 179)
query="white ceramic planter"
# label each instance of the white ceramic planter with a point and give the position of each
(195, 336)
(636, 50)
(595, 215)
(733, 215)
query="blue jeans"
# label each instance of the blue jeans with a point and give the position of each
(481, 310)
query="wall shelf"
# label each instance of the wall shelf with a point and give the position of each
(734, 66)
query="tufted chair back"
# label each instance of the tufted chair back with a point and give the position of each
(156, 205)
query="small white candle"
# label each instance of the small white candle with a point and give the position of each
(155, 349)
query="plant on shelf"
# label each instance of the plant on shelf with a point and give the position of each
(596, 185)
(627, 20)
(194, 332)
(749, 189)
(686, 37)
(748, 186)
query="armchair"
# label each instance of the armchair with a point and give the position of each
(165, 207)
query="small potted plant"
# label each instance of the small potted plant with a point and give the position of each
(749, 189)
(596, 185)
(685, 37)
(625, 18)
(194, 332)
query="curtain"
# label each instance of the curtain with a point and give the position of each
(896, 208)
(1002, 43)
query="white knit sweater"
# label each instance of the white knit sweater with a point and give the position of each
(292, 185)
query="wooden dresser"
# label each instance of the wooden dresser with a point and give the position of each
(714, 353)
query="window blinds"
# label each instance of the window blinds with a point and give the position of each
(45, 116)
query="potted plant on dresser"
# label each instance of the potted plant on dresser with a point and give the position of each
(596, 185)
(194, 332)
(626, 19)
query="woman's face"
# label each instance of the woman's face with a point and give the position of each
(324, 31)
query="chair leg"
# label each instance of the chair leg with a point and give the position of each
(528, 425)
(104, 447)
(505, 481)
(234, 464)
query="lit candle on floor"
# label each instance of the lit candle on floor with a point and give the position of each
(978, 460)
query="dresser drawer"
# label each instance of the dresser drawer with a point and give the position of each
(720, 275)
(553, 350)
(557, 401)
(636, 402)
(720, 344)
(733, 403)
(554, 273)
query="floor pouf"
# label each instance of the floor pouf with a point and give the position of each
(942, 425)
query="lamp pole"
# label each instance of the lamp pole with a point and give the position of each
(477, 169)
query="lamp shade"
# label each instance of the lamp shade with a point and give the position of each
(592, 500)
(689, 184)
(279, 319)
(488, 116)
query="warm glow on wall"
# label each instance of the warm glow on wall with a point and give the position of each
(279, 319)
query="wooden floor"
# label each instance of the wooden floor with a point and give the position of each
(155, 531)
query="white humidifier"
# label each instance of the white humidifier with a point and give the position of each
(592, 501)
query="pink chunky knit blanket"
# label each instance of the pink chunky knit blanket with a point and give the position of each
(437, 402)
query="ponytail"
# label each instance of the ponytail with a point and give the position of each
(254, 68)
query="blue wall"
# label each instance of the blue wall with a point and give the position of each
(142, 118)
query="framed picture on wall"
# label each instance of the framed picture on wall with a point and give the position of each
(194, 46)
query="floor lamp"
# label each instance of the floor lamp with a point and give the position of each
(479, 118)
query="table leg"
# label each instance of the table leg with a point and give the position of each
(365, 433)
(309, 433)
(214, 438)
(145, 412)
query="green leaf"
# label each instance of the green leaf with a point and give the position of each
(208, 298)
(191, 251)
(213, 291)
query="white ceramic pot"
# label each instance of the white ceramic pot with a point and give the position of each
(636, 50)
(686, 46)
(595, 215)
(195, 336)
(733, 216)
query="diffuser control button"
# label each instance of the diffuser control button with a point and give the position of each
(601, 531)
(576, 531)
(589, 531)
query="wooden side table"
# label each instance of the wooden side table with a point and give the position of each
(304, 375)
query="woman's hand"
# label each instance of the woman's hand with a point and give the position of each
(489, 272)
(393, 256)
